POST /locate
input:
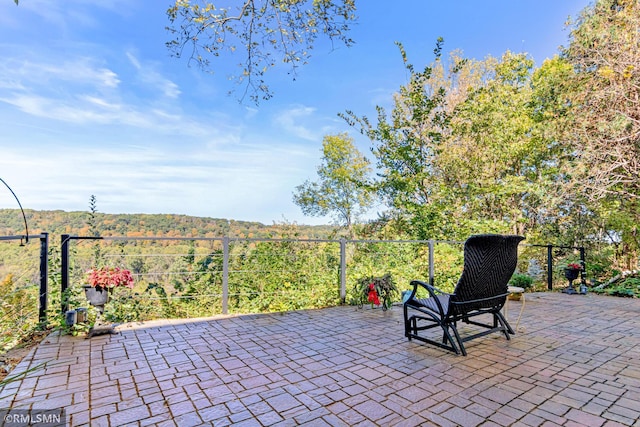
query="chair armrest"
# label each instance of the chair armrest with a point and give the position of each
(471, 301)
(433, 291)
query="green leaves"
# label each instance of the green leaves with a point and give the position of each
(342, 188)
(461, 152)
(265, 32)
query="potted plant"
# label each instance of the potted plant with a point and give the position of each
(572, 271)
(100, 281)
(376, 290)
(519, 281)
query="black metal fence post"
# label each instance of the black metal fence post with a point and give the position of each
(64, 270)
(550, 267)
(44, 277)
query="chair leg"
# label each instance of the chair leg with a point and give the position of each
(460, 343)
(447, 338)
(414, 326)
(407, 323)
(448, 342)
(506, 327)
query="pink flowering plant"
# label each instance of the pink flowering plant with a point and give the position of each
(109, 277)
(574, 266)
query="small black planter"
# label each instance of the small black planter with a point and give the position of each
(97, 297)
(571, 273)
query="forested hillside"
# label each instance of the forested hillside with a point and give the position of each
(142, 225)
(173, 278)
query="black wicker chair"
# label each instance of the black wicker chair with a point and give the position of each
(489, 263)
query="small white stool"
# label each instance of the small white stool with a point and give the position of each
(514, 290)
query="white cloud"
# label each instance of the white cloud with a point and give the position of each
(81, 110)
(148, 75)
(292, 121)
(26, 74)
(70, 13)
(82, 92)
(219, 181)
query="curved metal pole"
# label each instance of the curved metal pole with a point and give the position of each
(24, 217)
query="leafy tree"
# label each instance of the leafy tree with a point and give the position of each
(493, 161)
(604, 52)
(407, 144)
(342, 186)
(462, 151)
(265, 31)
(454, 152)
(563, 214)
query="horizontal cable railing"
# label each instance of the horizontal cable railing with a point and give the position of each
(206, 276)
(22, 287)
(203, 276)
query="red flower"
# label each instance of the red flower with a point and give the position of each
(373, 295)
(109, 277)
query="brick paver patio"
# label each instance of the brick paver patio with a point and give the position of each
(575, 362)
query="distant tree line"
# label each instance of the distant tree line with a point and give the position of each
(141, 225)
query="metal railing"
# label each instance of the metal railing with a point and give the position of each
(232, 259)
(43, 268)
(23, 288)
(337, 264)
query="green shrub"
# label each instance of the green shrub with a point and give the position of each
(620, 291)
(521, 280)
(628, 288)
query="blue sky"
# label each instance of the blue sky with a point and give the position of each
(91, 103)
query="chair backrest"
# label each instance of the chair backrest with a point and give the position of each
(489, 263)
